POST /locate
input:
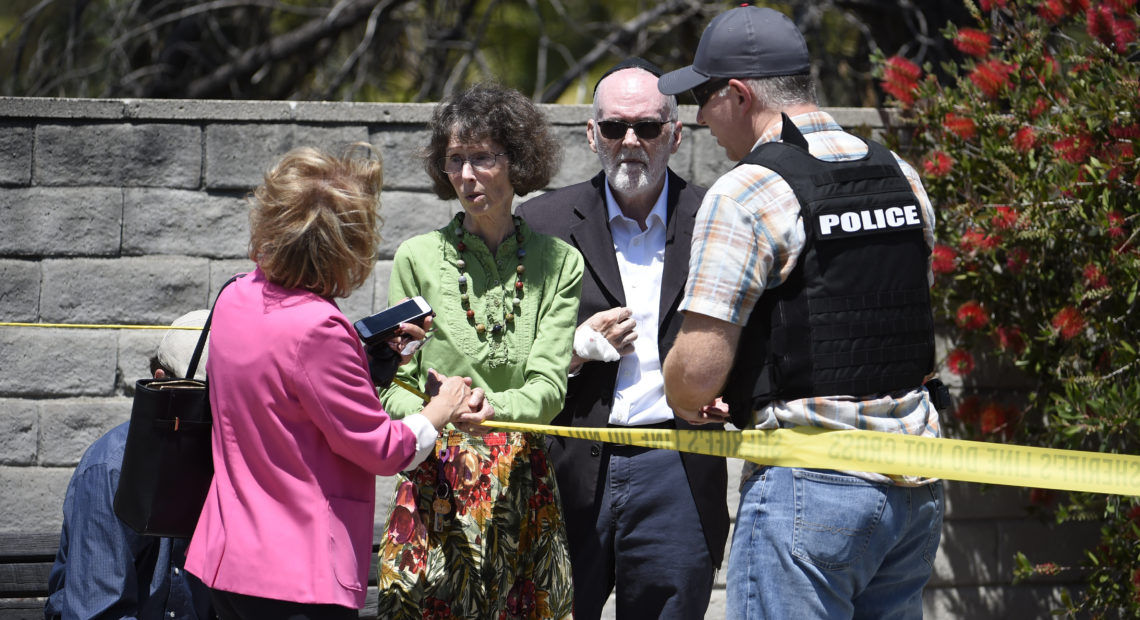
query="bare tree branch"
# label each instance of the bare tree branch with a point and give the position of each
(345, 15)
(627, 31)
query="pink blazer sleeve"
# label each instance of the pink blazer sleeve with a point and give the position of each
(335, 388)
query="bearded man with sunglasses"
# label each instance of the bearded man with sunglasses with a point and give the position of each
(633, 223)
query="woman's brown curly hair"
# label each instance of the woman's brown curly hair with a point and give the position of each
(494, 112)
(314, 222)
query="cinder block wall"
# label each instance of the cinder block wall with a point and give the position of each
(132, 212)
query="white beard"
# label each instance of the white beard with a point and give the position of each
(628, 177)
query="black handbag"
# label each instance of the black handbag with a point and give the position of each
(168, 462)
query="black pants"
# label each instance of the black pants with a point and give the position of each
(232, 606)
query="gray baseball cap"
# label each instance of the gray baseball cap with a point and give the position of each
(177, 346)
(744, 42)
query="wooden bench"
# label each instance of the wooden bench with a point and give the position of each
(26, 560)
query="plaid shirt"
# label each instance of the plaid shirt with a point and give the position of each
(748, 237)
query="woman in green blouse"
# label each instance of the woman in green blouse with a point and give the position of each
(476, 530)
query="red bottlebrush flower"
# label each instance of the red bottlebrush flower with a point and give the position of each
(1068, 322)
(992, 419)
(1116, 225)
(960, 362)
(938, 164)
(1010, 339)
(1120, 132)
(973, 42)
(1025, 139)
(1051, 11)
(1072, 7)
(900, 79)
(1103, 25)
(1042, 497)
(987, 5)
(1134, 514)
(971, 315)
(992, 77)
(1039, 107)
(1094, 277)
(1005, 218)
(1016, 260)
(976, 240)
(1074, 149)
(1121, 6)
(943, 258)
(960, 126)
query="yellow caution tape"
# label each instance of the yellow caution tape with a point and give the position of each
(885, 453)
(96, 326)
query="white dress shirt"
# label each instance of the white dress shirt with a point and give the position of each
(639, 396)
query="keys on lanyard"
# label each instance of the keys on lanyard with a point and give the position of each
(442, 506)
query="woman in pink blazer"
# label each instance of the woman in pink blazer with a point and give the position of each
(299, 434)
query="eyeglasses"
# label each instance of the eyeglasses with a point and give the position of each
(616, 130)
(479, 161)
(705, 91)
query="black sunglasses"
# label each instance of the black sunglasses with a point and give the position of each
(702, 92)
(616, 130)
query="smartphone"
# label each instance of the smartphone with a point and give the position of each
(383, 324)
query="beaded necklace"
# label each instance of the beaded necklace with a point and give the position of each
(461, 264)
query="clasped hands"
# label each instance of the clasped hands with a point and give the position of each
(452, 400)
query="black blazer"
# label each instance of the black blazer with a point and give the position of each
(577, 214)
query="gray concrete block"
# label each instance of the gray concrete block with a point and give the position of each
(58, 107)
(209, 110)
(359, 303)
(15, 154)
(237, 156)
(119, 154)
(31, 499)
(19, 290)
(222, 270)
(69, 426)
(709, 160)
(399, 147)
(579, 163)
(136, 346)
(407, 214)
(381, 275)
(41, 221)
(991, 603)
(19, 431)
(144, 290)
(161, 221)
(49, 362)
(967, 555)
(968, 500)
(1062, 544)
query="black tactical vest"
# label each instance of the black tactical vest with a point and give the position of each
(853, 318)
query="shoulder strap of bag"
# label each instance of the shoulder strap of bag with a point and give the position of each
(206, 331)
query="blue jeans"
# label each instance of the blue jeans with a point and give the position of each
(822, 544)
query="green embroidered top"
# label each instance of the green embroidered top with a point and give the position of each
(522, 367)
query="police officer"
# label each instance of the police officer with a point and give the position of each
(807, 304)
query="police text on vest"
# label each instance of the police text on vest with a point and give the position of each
(869, 220)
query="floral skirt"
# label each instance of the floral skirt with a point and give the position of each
(476, 531)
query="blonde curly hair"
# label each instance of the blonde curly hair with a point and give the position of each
(314, 221)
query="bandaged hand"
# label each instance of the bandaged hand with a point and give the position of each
(604, 337)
